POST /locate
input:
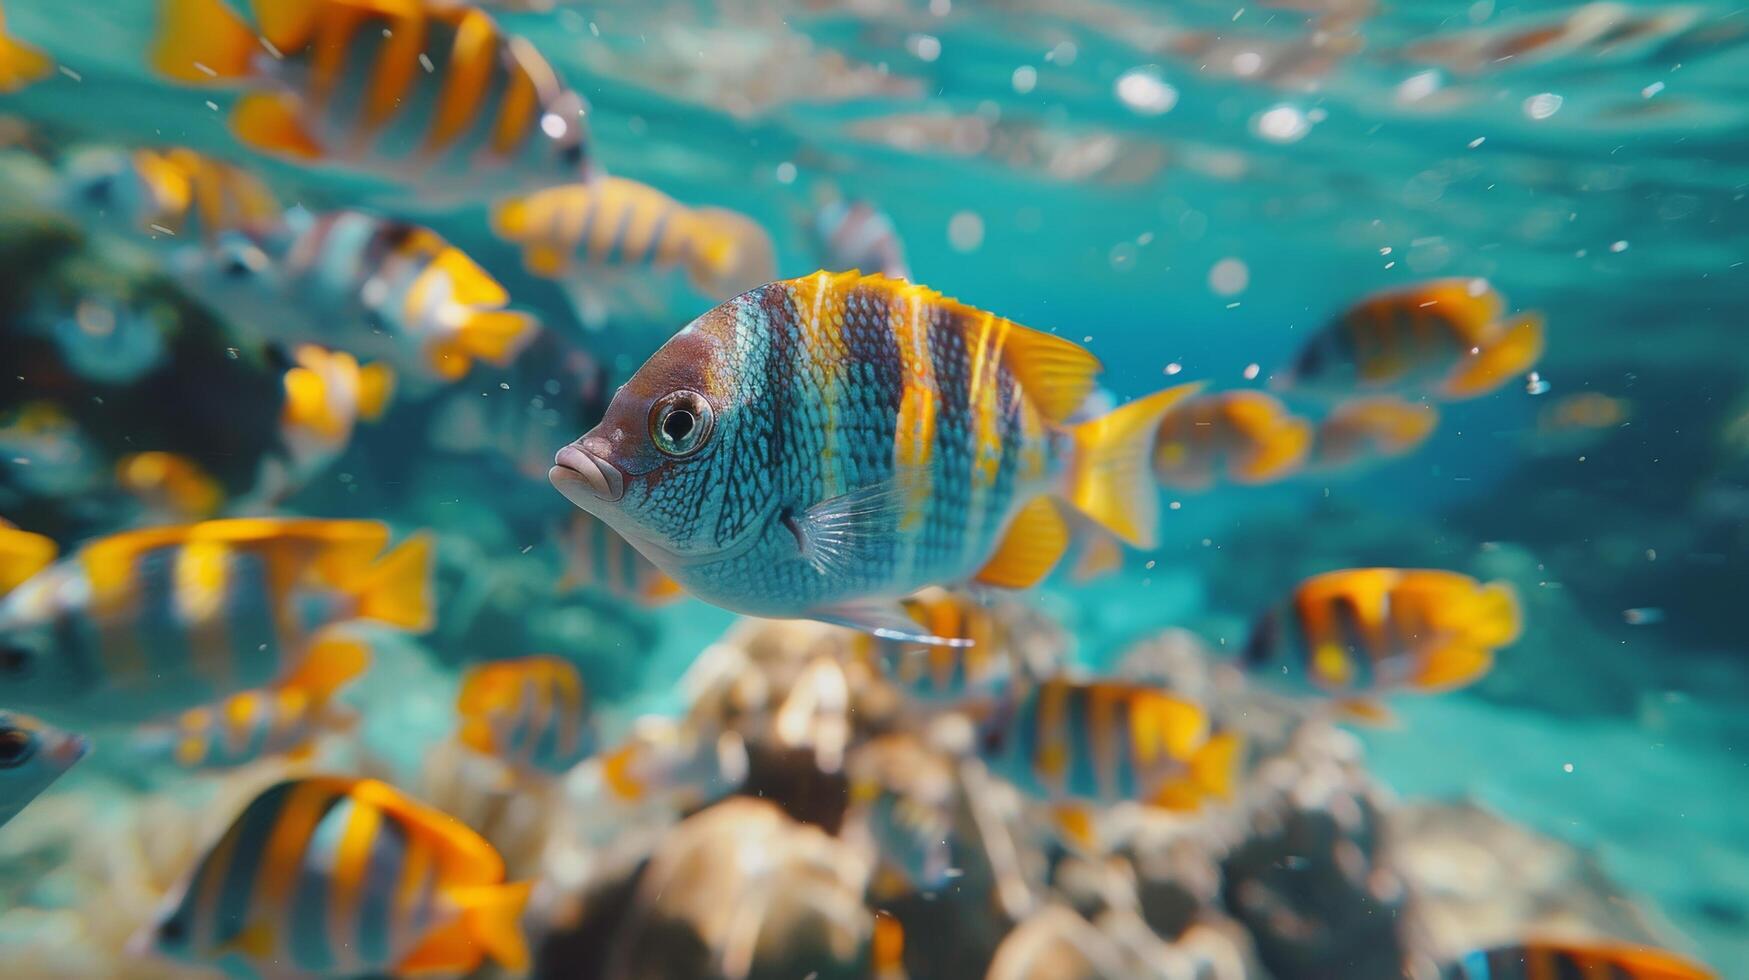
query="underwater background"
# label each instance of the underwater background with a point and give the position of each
(1189, 190)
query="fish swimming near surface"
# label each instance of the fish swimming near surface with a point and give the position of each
(823, 447)
(21, 65)
(530, 713)
(581, 232)
(332, 876)
(146, 623)
(282, 720)
(172, 196)
(1364, 430)
(1073, 744)
(32, 755)
(1445, 337)
(935, 674)
(1359, 633)
(171, 487)
(598, 559)
(1239, 436)
(435, 98)
(855, 235)
(379, 288)
(1555, 959)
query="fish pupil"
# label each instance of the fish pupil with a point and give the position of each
(15, 747)
(679, 424)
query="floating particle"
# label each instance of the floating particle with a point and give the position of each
(1174, 368)
(1282, 124)
(965, 231)
(1064, 53)
(1176, 505)
(1566, 767)
(786, 173)
(1145, 92)
(1619, 247)
(1542, 105)
(1251, 371)
(1535, 384)
(1025, 79)
(1247, 63)
(75, 76)
(1123, 256)
(926, 47)
(1418, 86)
(551, 123)
(425, 63)
(1478, 141)
(1651, 90)
(1643, 616)
(1229, 277)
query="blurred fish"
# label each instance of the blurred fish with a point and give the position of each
(1442, 337)
(326, 394)
(334, 876)
(529, 713)
(1577, 421)
(1072, 743)
(597, 559)
(109, 340)
(823, 447)
(1362, 632)
(1551, 960)
(1365, 429)
(46, 453)
(853, 235)
(169, 195)
(20, 64)
(674, 763)
(1242, 436)
(583, 234)
(22, 555)
(946, 675)
(551, 390)
(435, 97)
(171, 487)
(284, 719)
(377, 287)
(32, 755)
(149, 622)
(905, 795)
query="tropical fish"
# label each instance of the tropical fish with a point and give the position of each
(854, 235)
(823, 447)
(1241, 436)
(326, 394)
(149, 622)
(1362, 632)
(20, 64)
(550, 391)
(1444, 337)
(1072, 743)
(46, 452)
(172, 195)
(675, 763)
(598, 559)
(616, 224)
(171, 487)
(380, 288)
(333, 876)
(905, 795)
(32, 755)
(1551, 960)
(530, 713)
(1365, 429)
(436, 97)
(946, 675)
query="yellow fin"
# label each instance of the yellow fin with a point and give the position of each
(492, 914)
(1493, 618)
(20, 63)
(1111, 479)
(1452, 665)
(731, 253)
(22, 555)
(448, 950)
(1056, 374)
(1514, 352)
(1283, 447)
(376, 385)
(397, 590)
(1033, 544)
(1366, 712)
(496, 335)
(254, 942)
(510, 219)
(661, 589)
(470, 859)
(203, 41)
(616, 771)
(1075, 825)
(1215, 767)
(329, 664)
(272, 123)
(1101, 555)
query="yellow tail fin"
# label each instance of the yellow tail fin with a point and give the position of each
(1215, 767)
(397, 589)
(1514, 352)
(1452, 665)
(1031, 546)
(497, 335)
(1110, 476)
(1281, 451)
(1494, 620)
(20, 64)
(328, 665)
(492, 915)
(376, 385)
(272, 122)
(510, 218)
(22, 555)
(202, 41)
(731, 253)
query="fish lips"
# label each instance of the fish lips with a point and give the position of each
(585, 478)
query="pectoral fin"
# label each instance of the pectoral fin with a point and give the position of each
(843, 533)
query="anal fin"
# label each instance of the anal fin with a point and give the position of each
(1032, 545)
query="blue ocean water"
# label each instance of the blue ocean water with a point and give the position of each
(1190, 190)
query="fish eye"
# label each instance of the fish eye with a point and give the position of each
(16, 747)
(681, 422)
(571, 154)
(172, 930)
(17, 661)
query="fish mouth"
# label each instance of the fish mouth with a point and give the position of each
(69, 750)
(583, 476)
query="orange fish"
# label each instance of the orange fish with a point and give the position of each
(1241, 436)
(171, 486)
(1444, 337)
(1362, 632)
(20, 64)
(1367, 429)
(530, 713)
(1556, 960)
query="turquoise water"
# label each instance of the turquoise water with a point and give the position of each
(1190, 190)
